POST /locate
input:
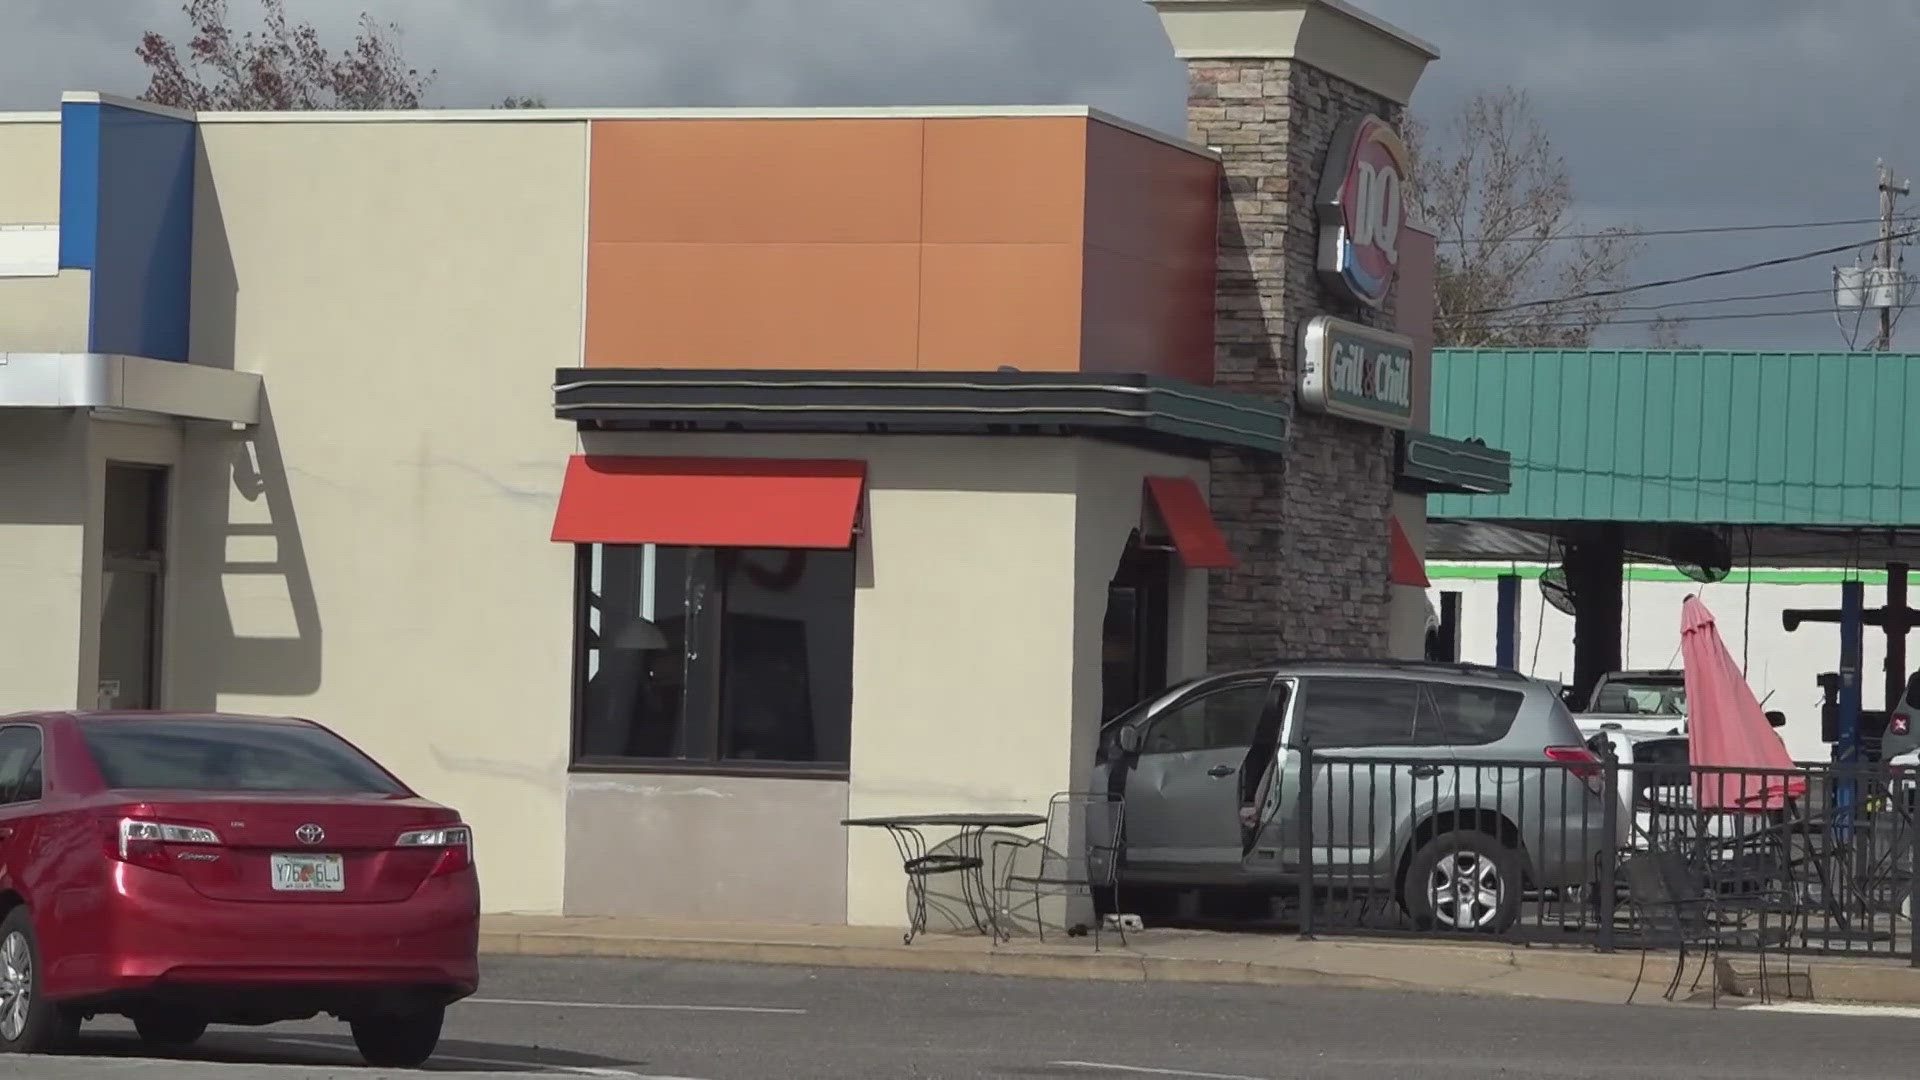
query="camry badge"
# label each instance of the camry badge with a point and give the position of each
(310, 833)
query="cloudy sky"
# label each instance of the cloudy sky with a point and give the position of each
(1670, 114)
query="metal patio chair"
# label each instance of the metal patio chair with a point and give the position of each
(1078, 856)
(1680, 902)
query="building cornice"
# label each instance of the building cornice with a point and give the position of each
(1331, 35)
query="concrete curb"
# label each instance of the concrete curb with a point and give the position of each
(1340, 964)
(1107, 967)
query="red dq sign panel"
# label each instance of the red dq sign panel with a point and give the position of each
(1362, 204)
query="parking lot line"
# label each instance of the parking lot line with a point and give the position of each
(1147, 1071)
(531, 1067)
(1815, 1008)
(636, 1006)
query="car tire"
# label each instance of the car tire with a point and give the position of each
(399, 1041)
(29, 1023)
(1464, 881)
(169, 1028)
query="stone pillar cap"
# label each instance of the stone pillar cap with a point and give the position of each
(1331, 35)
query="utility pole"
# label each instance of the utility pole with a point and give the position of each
(1886, 274)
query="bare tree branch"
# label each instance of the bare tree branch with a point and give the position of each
(1498, 194)
(281, 66)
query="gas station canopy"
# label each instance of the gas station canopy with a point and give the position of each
(1775, 458)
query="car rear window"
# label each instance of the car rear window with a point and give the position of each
(1475, 715)
(231, 755)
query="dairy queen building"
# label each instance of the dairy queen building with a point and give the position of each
(662, 487)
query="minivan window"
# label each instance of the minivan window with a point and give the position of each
(19, 763)
(229, 756)
(1475, 715)
(1222, 719)
(1340, 712)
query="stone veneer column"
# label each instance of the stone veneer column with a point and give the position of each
(1269, 81)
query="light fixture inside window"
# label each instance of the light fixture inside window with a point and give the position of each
(638, 635)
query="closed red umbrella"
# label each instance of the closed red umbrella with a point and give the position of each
(1726, 728)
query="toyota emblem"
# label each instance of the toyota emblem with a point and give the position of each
(310, 833)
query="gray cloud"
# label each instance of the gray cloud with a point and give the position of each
(1669, 113)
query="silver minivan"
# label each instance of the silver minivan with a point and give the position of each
(1451, 789)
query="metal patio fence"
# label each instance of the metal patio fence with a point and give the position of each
(1607, 854)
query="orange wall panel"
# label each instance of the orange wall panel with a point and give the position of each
(955, 244)
(831, 306)
(1005, 180)
(756, 181)
(985, 305)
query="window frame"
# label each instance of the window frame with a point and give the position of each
(1196, 696)
(580, 762)
(1303, 714)
(39, 757)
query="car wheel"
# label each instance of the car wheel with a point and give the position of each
(1465, 881)
(29, 1024)
(169, 1028)
(402, 1041)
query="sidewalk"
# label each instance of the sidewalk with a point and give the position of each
(1175, 955)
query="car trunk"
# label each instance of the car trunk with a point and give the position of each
(267, 852)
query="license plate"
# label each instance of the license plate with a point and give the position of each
(309, 873)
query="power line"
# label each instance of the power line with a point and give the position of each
(1726, 299)
(1647, 322)
(1702, 276)
(1636, 233)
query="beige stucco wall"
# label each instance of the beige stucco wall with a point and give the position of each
(37, 314)
(376, 553)
(980, 593)
(43, 515)
(713, 848)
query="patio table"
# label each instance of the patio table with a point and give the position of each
(968, 860)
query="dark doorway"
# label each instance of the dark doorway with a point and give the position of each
(1134, 639)
(133, 571)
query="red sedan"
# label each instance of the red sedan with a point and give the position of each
(183, 870)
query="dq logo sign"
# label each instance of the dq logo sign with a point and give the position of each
(1362, 204)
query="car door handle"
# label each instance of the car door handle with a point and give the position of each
(1424, 771)
(1221, 770)
(6, 832)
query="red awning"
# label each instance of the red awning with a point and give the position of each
(1189, 523)
(1403, 563)
(709, 502)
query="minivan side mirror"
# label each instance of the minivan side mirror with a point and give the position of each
(1128, 739)
(1913, 690)
(1776, 718)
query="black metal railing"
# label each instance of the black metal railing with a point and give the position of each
(1609, 854)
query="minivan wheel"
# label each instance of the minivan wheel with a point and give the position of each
(169, 1028)
(399, 1041)
(29, 1023)
(1466, 881)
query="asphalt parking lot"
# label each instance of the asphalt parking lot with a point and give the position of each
(699, 1021)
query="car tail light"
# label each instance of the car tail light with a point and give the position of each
(144, 843)
(1900, 724)
(1581, 762)
(454, 841)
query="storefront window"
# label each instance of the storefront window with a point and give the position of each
(738, 658)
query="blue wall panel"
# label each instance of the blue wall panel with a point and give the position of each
(79, 184)
(126, 214)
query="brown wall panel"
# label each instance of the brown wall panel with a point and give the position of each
(851, 306)
(985, 305)
(1151, 221)
(756, 181)
(1143, 317)
(1005, 180)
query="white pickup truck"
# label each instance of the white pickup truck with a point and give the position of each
(1639, 718)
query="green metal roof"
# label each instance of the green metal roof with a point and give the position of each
(1688, 437)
